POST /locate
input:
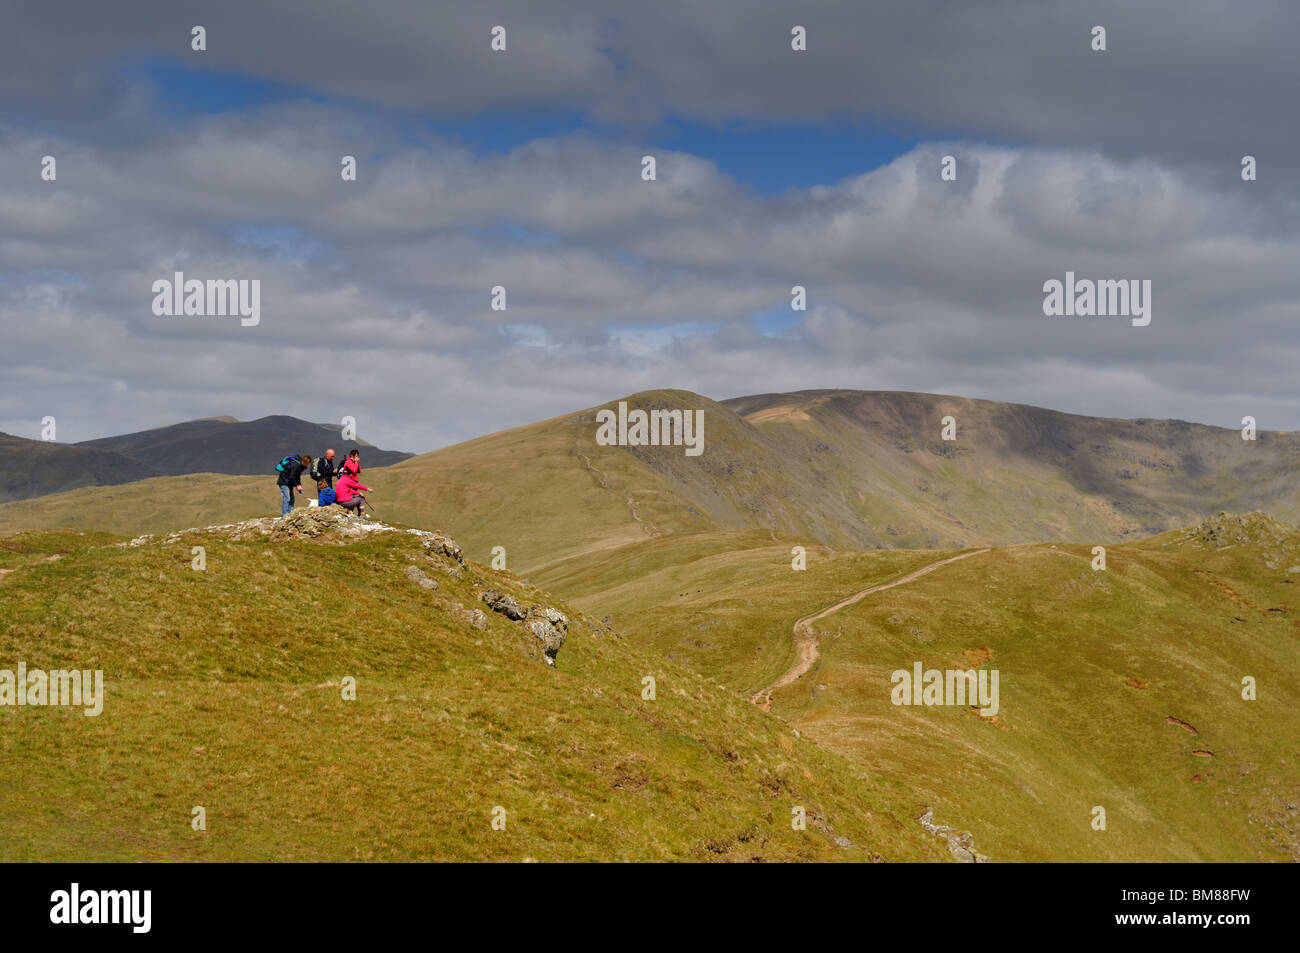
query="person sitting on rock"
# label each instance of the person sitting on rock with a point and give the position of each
(346, 494)
(325, 495)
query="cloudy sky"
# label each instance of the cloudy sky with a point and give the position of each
(523, 169)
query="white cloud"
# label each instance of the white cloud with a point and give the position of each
(382, 286)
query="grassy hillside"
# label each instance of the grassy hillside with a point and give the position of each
(724, 602)
(31, 468)
(1099, 671)
(223, 690)
(157, 505)
(542, 491)
(852, 469)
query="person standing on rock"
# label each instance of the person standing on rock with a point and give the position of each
(325, 469)
(352, 465)
(290, 480)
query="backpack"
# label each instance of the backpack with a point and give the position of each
(283, 464)
(315, 468)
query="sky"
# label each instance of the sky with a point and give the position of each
(522, 168)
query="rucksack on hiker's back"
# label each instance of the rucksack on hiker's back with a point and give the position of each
(315, 469)
(280, 467)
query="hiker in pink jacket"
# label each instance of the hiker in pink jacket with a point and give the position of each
(347, 491)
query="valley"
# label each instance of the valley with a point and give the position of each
(1157, 693)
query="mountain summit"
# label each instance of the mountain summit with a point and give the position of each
(209, 445)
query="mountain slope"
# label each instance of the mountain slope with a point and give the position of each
(1119, 688)
(31, 468)
(847, 468)
(853, 469)
(224, 690)
(1016, 473)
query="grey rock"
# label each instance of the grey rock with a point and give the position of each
(418, 577)
(550, 626)
(441, 545)
(498, 601)
(472, 617)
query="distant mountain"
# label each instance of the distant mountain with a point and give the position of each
(865, 469)
(37, 467)
(860, 469)
(226, 445)
(30, 468)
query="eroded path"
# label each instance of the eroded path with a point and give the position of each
(805, 639)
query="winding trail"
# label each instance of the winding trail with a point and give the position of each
(646, 525)
(805, 639)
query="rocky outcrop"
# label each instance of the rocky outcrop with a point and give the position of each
(498, 601)
(960, 843)
(550, 626)
(327, 524)
(440, 545)
(332, 525)
(1225, 530)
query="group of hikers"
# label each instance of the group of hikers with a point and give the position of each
(324, 472)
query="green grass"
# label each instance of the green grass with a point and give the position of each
(222, 690)
(722, 603)
(1091, 664)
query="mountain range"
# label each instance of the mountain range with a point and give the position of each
(209, 445)
(862, 469)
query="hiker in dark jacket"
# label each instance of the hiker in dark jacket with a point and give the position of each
(290, 480)
(325, 469)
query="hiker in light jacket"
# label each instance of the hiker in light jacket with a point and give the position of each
(352, 465)
(346, 493)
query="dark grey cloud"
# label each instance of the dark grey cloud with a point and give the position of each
(1181, 79)
(1121, 164)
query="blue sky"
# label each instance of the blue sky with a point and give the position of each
(765, 157)
(1118, 165)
